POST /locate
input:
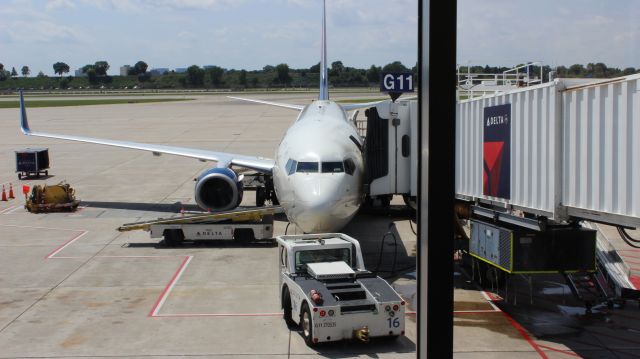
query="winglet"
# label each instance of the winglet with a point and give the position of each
(24, 124)
(324, 76)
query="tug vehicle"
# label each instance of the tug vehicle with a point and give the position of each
(51, 198)
(327, 292)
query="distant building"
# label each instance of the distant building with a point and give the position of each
(124, 70)
(79, 73)
(159, 71)
(180, 70)
(207, 66)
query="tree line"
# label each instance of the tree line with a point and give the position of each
(590, 70)
(280, 75)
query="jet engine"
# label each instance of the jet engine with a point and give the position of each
(219, 189)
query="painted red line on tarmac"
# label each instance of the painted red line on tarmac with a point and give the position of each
(602, 347)
(526, 336)
(515, 324)
(619, 314)
(635, 280)
(614, 337)
(191, 315)
(36, 227)
(463, 312)
(169, 286)
(198, 315)
(567, 352)
(64, 245)
(628, 261)
(135, 257)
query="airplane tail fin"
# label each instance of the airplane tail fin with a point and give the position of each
(324, 76)
(24, 124)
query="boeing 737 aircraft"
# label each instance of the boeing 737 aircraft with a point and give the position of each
(317, 171)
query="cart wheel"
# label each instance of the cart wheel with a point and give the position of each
(46, 173)
(173, 237)
(306, 323)
(244, 235)
(286, 305)
(19, 176)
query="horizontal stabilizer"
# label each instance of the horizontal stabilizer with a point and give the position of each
(355, 106)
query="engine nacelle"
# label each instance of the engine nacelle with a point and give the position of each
(218, 189)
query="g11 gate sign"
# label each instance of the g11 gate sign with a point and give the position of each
(496, 179)
(396, 82)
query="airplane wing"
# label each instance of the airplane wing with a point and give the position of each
(223, 159)
(346, 107)
(355, 106)
(279, 104)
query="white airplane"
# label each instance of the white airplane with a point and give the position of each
(317, 171)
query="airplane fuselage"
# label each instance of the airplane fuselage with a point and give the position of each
(318, 172)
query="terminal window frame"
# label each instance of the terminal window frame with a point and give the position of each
(329, 255)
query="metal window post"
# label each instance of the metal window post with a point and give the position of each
(437, 103)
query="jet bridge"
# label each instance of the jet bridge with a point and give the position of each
(390, 150)
(557, 155)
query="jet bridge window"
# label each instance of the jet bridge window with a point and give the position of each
(332, 167)
(307, 167)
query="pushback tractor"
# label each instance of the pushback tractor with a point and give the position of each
(327, 292)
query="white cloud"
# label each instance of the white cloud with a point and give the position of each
(60, 4)
(151, 5)
(42, 31)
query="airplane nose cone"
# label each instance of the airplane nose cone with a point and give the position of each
(318, 204)
(318, 194)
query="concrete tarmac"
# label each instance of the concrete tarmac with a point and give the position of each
(72, 286)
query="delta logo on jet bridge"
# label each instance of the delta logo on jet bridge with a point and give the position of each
(497, 151)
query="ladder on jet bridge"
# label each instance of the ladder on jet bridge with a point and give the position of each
(611, 279)
(589, 288)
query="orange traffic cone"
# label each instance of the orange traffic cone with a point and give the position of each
(4, 194)
(11, 196)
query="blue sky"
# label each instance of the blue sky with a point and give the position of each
(557, 32)
(229, 33)
(252, 33)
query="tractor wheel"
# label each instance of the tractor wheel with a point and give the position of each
(306, 323)
(286, 305)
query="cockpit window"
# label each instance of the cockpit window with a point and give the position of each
(291, 166)
(307, 167)
(332, 167)
(349, 166)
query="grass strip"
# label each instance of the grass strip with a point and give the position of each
(85, 102)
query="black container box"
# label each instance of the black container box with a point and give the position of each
(515, 250)
(32, 161)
